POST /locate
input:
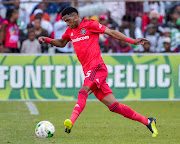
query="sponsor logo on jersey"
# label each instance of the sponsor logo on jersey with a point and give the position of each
(83, 31)
(79, 39)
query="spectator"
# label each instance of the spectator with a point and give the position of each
(103, 19)
(23, 15)
(177, 49)
(153, 36)
(167, 45)
(113, 45)
(52, 8)
(103, 38)
(28, 6)
(9, 34)
(44, 24)
(31, 45)
(155, 5)
(23, 35)
(30, 27)
(39, 31)
(61, 6)
(41, 9)
(135, 10)
(117, 9)
(175, 36)
(167, 33)
(130, 30)
(172, 18)
(112, 23)
(116, 46)
(147, 46)
(59, 29)
(170, 5)
(156, 20)
(123, 47)
(152, 17)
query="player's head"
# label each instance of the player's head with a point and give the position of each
(71, 17)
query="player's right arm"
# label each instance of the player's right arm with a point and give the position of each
(55, 42)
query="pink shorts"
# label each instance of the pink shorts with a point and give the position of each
(96, 80)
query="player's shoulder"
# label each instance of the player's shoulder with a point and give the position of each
(92, 21)
(89, 23)
(68, 30)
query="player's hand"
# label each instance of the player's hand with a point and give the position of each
(140, 41)
(41, 40)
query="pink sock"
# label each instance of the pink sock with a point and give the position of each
(128, 112)
(80, 105)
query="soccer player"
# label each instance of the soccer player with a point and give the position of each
(85, 36)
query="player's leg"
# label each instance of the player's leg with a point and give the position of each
(93, 80)
(81, 102)
(122, 109)
(79, 107)
(127, 112)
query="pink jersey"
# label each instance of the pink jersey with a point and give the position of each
(12, 34)
(85, 40)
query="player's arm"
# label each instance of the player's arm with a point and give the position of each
(120, 36)
(56, 42)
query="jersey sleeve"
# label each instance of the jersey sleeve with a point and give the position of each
(66, 35)
(96, 27)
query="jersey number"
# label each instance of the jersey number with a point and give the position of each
(88, 73)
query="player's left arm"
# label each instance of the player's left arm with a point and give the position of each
(120, 36)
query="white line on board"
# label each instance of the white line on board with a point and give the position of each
(32, 108)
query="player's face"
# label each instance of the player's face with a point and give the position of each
(71, 20)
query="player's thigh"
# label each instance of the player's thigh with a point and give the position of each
(103, 92)
(96, 77)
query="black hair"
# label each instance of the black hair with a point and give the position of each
(69, 10)
(30, 25)
(9, 13)
(127, 18)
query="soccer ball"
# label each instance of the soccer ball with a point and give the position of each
(45, 129)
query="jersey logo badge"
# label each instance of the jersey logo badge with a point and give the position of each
(83, 31)
(71, 33)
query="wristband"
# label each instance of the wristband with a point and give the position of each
(130, 40)
(48, 40)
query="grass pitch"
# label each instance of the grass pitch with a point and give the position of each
(96, 125)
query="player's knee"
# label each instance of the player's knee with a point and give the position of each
(86, 88)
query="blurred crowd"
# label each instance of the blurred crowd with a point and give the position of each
(22, 23)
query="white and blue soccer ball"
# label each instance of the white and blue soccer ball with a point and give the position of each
(45, 129)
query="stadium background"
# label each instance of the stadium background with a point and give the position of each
(164, 83)
(43, 85)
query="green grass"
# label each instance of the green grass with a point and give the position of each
(96, 125)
